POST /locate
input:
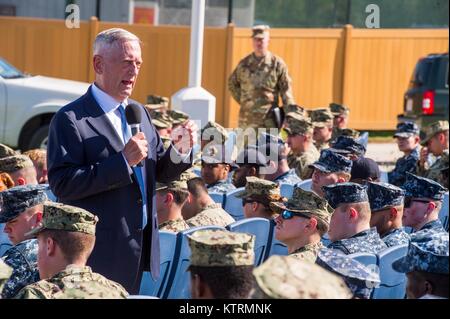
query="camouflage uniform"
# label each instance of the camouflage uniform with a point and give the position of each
(290, 177)
(178, 117)
(309, 205)
(437, 171)
(359, 278)
(175, 225)
(81, 279)
(341, 110)
(5, 273)
(322, 118)
(424, 188)
(222, 186)
(346, 145)
(215, 154)
(332, 162)
(427, 252)
(349, 132)
(166, 142)
(383, 196)
(23, 256)
(6, 151)
(283, 277)
(214, 132)
(367, 241)
(212, 214)
(256, 84)
(14, 163)
(297, 125)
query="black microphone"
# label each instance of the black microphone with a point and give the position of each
(133, 115)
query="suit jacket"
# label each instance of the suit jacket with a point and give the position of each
(86, 168)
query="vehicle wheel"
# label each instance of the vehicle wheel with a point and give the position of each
(38, 138)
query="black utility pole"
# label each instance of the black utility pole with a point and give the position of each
(230, 11)
(349, 12)
(97, 9)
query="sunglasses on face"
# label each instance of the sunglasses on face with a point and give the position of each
(409, 200)
(288, 214)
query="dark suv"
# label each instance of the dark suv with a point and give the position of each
(426, 99)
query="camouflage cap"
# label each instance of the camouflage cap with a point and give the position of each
(6, 151)
(350, 132)
(260, 189)
(178, 117)
(161, 120)
(433, 129)
(221, 248)
(294, 109)
(407, 129)
(421, 187)
(384, 195)
(214, 131)
(259, 31)
(166, 141)
(157, 100)
(348, 145)
(298, 125)
(251, 156)
(358, 277)
(174, 185)
(18, 199)
(215, 154)
(59, 216)
(14, 163)
(339, 109)
(321, 117)
(427, 251)
(306, 203)
(332, 162)
(284, 277)
(5, 273)
(345, 193)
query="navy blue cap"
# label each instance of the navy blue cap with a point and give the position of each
(345, 193)
(421, 187)
(332, 162)
(384, 195)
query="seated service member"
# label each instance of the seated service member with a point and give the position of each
(170, 198)
(215, 169)
(386, 205)
(301, 223)
(20, 168)
(322, 120)
(350, 229)
(221, 264)
(66, 239)
(340, 121)
(423, 201)
(21, 210)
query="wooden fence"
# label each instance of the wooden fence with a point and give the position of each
(368, 70)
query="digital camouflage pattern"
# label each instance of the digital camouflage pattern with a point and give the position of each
(434, 128)
(434, 226)
(308, 252)
(5, 272)
(221, 248)
(321, 117)
(438, 171)
(367, 241)
(167, 141)
(344, 132)
(347, 145)
(395, 237)
(14, 163)
(359, 278)
(407, 129)
(260, 189)
(6, 151)
(158, 100)
(404, 164)
(421, 187)
(176, 185)
(298, 125)
(256, 84)
(290, 177)
(284, 277)
(306, 203)
(59, 216)
(22, 258)
(427, 252)
(345, 193)
(339, 109)
(161, 121)
(222, 186)
(291, 109)
(18, 199)
(174, 225)
(384, 195)
(213, 131)
(332, 162)
(302, 163)
(212, 214)
(79, 282)
(178, 117)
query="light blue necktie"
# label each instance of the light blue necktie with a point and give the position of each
(137, 170)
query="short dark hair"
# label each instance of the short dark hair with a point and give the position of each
(230, 282)
(439, 282)
(74, 245)
(179, 195)
(322, 227)
(196, 186)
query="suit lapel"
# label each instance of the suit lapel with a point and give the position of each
(100, 122)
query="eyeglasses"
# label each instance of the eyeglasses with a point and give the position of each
(288, 214)
(409, 200)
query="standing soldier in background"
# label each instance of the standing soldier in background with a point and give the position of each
(257, 83)
(322, 120)
(407, 136)
(340, 120)
(436, 142)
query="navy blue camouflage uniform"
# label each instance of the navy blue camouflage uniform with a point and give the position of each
(404, 164)
(222, 186)
(396, 237)
(290, 177)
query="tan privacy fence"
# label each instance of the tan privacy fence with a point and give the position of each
(368, 70)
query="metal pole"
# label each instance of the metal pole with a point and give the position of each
(230, 11)
(196, 51)
(97, 9)
(349, 11)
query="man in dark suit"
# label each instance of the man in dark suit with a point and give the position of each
(92, 163)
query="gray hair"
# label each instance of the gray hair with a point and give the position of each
(108, 38)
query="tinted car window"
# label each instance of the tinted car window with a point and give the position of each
(421, 73)
(7, 71)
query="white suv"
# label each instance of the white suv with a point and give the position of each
(28, 103)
